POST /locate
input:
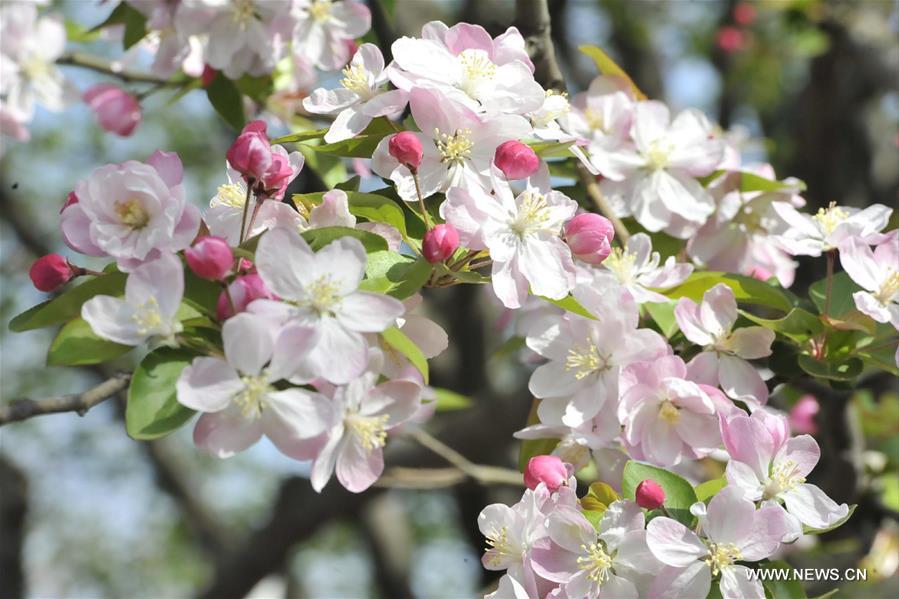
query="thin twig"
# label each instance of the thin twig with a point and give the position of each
(482, 474)
(602, 204)
(22, 409)
(99, 65)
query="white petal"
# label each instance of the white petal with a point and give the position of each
(208, 385)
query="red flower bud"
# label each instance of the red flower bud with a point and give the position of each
(406, 148)
(650, 494)
(70, 199)
(516, 160)
(210, 258)
(589, 236)
(242, 290)
(730, 39)
(439, 243)
(548, 469)
(50, 272)
(744, 13)
(251, 153)
(208, 76)
(117, 111)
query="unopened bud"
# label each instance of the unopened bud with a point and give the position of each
(439, 243)
(650, 495)
(117, 111)
(50, 272)
(589, 236)
(210, 258)
(516, 160)
(239, 294)
(548, 469)
(406, 148)
(251, 153)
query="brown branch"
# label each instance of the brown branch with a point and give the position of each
(22, 409)
(482, 474)
(533, 19)
(602, 204)
(93, 63)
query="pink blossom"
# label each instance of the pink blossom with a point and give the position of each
(440, 242)
(589, 236)
(210, 258)
(730, 39)
(877, 273)
(251, 153)
(767, 465)
(117, 111)
(724, 361)
(50, 272)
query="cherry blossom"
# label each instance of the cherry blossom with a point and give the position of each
(360, 97)
(660, 189)
(365, 412)
(767, 465)
(458, 146)
(132, 211)
(829, 227)
(666, 418)
(153, 293)
(522, 235)
(732, 531)
(726, 351)
(486, 75)
(238, 397)
(326, 28)
(877, 272)
(322, 291)
(603, 562)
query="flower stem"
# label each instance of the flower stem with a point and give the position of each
(829, 283)
(246, 207)
(621, 232)
(421, 200)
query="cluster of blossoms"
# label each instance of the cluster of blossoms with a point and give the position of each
(307, 342)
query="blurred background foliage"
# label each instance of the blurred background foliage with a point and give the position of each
(812, 85)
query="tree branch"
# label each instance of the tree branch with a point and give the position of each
(482, 474)
(602, 204)
(22, 409)
(93, 63)
(532, 18)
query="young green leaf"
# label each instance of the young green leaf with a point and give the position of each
(319, 238)
(679, 494)
(746, 290)
(76, 344)
(67, 306)
(227, 101)
(396, 339)
(153, 409)
(607, 66)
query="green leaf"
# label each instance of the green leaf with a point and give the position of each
(319, 238)
(350, 185)
(396, 339)
(750, 182)
(607, 66)
(370, 206)
(257, 88)
(663, 315)
(799, 325)
(551, 149)
(828, 594)
(679, 494)
(599, 497)
(67, 305)
(301, 136)
(569, 304)
(227, 101)
(710, 488)
(78, 345)
(450, 400)
(841, 301)
(782, 589)
(534, 447)
(153, 409)
(818, 531)
(509, 346)
(746, 289)
(394, 274)
(200, 294)
(360, 146)
(135, 26)
(846, 370)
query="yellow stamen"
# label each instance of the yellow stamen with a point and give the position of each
(721, 556)
(252, 399)
(371, 431)
(669, 412)
(453, 149)
(355, 79)
(596, 562)
(320, 10)
(828, 218)
(585, 361)
(131, 213)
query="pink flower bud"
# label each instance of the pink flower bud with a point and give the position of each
(243, 290)
(802, 415)
(548, 469)
(117, 111)
(70, 199)
(208, 76)
(50, 272)
(276, 178)
(650, 494)
(406, 148)
(516, 160)
(589, 236)
(251, 153)
(439, 243)
(744, 13)
(210, 258)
